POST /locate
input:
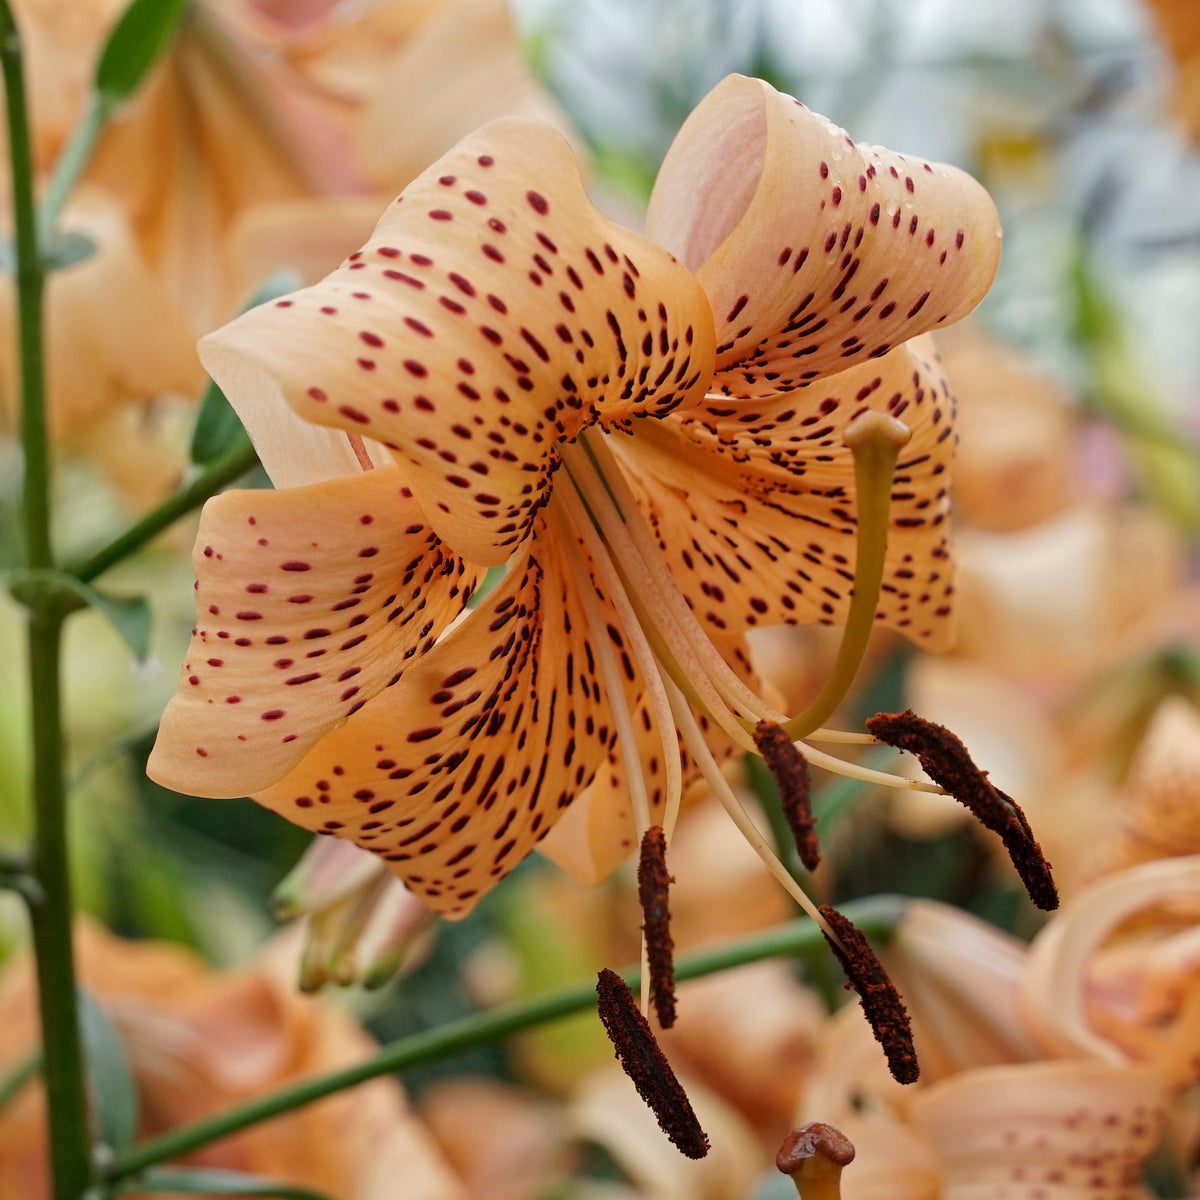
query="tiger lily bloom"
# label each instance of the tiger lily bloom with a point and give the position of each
(645, 433)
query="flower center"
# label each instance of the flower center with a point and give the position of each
(688, 682)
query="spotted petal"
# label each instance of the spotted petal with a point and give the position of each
(754, 509)
(816, 254)
(454, 774)
(493, 312)
(308, 602)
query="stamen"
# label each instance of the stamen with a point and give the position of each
(839, 766)
(945, 759)
(653, 886)
(643, 545)
(698, 749)
(876, 993)
(790, 769)
(814, 1156)
(623, 719)
(642, 1059)
(875, 439)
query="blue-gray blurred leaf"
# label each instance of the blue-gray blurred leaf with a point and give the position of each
(192, 1181)
(142, 34)
(67, 248)
(114, 1092)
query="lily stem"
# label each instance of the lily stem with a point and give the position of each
(877, 916)
(49, 902)
(222, 471)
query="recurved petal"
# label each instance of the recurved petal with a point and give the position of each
(754, 506)
(815, 253)
(493, 312)
(453, 775)
(1148, 1009)
(308, 602)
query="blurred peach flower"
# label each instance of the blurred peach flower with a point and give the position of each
(1049, 1071)
(261, 116)
(199, 1041)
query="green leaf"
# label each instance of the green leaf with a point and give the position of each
(68, 248)
(110, 1079)
(218, 427)
(191, 1181)
(130, 616)
(138, 38)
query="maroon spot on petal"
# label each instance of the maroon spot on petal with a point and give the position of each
(316, 393)
(295, 565)
(538, 202)
(273, 714)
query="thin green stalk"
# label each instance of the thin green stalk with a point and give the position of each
(224, 470)
(877, 916)
(70, 166)
(49, 903)
(31, 282)
(18, 1076)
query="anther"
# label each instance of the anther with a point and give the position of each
(814, 1156)
(790, 768)
(653, 885)
(945, 760)
(642, 1059)
(880, 1001)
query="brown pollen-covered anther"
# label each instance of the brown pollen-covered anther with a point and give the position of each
(642, 1059)
(945, 760)
(653, 886)
(790, 769)
(880, 1001)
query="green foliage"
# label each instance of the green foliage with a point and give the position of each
(144, 31)
(114, 1094)
(210, 1181)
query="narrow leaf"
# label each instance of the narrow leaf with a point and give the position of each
(211, 1181)
(130, 616)
(67, 248)
(218, 427)
(138, 38)
(110, 1079)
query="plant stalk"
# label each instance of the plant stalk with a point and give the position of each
(877, 916)
(49, 902)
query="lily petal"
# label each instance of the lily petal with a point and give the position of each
(1045, 1131)
(308, 602)
(770, 522)
(493, 312)
(815, 253)
(1059, 997)
(453, 775)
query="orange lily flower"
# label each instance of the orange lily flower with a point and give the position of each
(649, 441)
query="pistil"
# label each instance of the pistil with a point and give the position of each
(875, 439)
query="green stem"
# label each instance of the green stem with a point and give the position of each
(49, 902)
(31, 282)
(50, 915)
(877, 916)
(222, 471)
(18, 1076)
(875, 439)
